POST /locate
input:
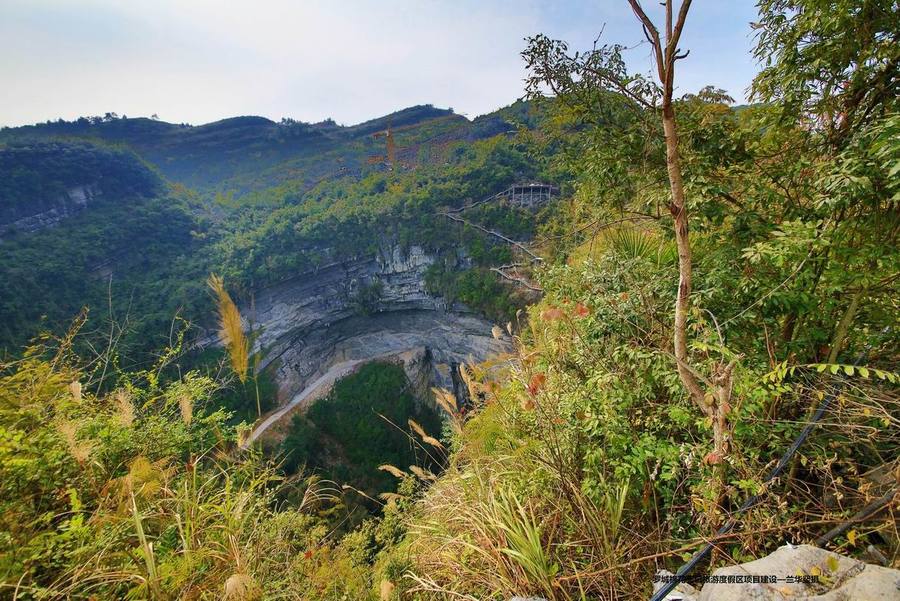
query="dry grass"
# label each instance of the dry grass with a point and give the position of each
(225, 521)
(231, 329)
(509, 515)
(124, 408)
(394, 471)
(430, 440)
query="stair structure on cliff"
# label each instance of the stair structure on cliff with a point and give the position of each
(530, 195)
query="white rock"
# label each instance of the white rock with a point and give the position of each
(307, 325)
(850, 580)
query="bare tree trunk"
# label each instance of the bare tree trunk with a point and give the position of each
(843, 327)
(666, 54)
(713, 400)
(683, 243)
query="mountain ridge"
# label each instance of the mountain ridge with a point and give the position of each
(243, 154)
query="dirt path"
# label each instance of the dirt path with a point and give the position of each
(320, 387)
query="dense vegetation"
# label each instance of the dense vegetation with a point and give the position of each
(359, 426)
(131, 254)
(142, 252)
(41, 172)
(350, 217)
(242, 155)
(749, 255)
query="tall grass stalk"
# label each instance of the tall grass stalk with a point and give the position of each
(231, 332)
(152, 578)
(523, 537)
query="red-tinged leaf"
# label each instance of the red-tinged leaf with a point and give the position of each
(713, 458)
(552, 314)
(581, 310)
(308, 555)
(536, 383)
(527, 404)
(624, 296)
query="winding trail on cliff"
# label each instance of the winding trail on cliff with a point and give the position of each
(313, 391)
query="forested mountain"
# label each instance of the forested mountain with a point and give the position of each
(239, 193)
(244, 154)
(39, 175)
(542, 353)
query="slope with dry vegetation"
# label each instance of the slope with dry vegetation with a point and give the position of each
(712, 277)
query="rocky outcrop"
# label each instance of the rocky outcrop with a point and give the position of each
(795, 573)
(392, 280)
(50, 212)
(418, 365)
(803, 572)
(356, 311)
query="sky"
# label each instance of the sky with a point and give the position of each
(197, 61)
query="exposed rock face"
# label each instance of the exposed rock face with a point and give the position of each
(362, 310)
(318, 299)
(50, 212)
(840, 578)
(417, 363)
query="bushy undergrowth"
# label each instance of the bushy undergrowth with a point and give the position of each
(598, 452)
(360, 425)
(133, 493)
(141, 492)
(588, 469)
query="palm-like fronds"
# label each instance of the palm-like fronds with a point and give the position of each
(628, 242)
(633, 243)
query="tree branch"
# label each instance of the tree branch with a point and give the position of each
(515, 279)
(652, 36)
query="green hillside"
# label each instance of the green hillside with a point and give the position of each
(703, 357)
(244, 154)
(238, 193)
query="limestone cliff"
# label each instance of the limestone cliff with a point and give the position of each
(49, 212)
(371, 308)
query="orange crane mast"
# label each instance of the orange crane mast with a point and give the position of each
(391, 157)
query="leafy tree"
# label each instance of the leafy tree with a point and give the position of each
(836, 68)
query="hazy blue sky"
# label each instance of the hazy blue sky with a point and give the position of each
(200, 60)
